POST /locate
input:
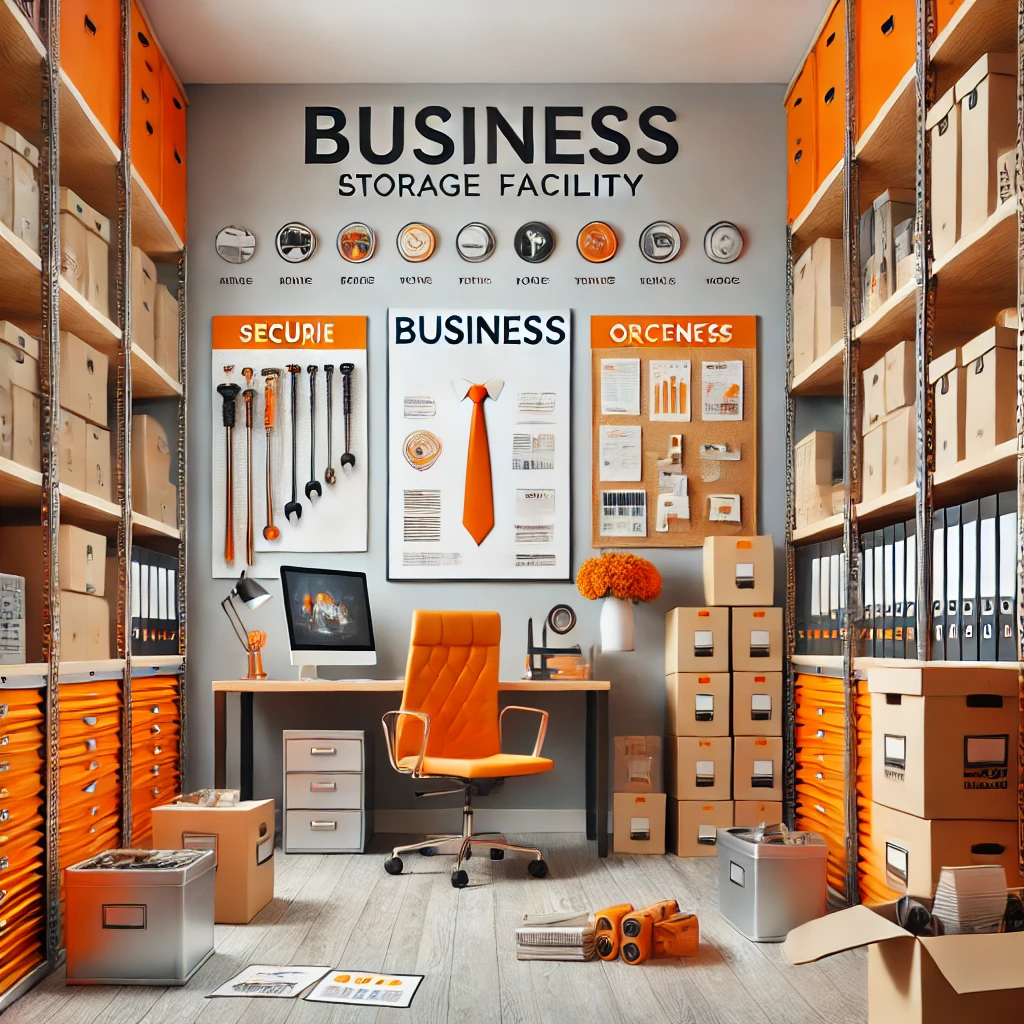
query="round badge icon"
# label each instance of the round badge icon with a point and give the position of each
(660, 242)
(235, 244)
(295, 242)
(534, 242)
(416, 243)
(723, 242)
(597, 242)
(475, 242)
(356, 242)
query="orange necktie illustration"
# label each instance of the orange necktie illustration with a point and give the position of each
(478, 505)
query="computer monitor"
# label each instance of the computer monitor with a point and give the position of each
(328, 614)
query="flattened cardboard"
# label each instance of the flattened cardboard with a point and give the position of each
(693, 826)
(757, 768)
(739, 570)
(699, 767)
(839, 932)
(697, 640)
(637, 767)
(757, 703)
(638, 823)
(989, 361)
(697, 704)
(757, 640)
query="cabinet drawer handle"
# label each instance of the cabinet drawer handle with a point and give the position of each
(323, 787)
(320, 751)
(323, 826)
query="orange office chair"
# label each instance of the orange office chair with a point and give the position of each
(449, 727)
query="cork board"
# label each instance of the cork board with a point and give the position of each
(728, 345)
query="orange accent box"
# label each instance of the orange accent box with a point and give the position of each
(801, 140)
(90, 53)
(172, 152)
(886, 49)
(146, 112)
(944, 11)
(830, 93)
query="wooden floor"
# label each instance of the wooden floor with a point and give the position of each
(344, 911)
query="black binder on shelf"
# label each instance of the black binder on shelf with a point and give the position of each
(938, 616)
(154, 602)
(821, 645)
(988, 577)
(879, 593)
(1006, 613)
(969, 581)
(953, 580)
(867, 593)
(814, 604)
(843, 626)
(835, 645)
(910, 601)
(802, 568)
(888, 592)
(899, 589)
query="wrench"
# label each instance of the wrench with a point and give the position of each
(249, 397)
(347, 458)
(329, 475)
(271, 377)
(228, 394)
(294, 506)
(313, 487)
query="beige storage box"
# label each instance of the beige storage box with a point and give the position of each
(900, 448)
(85, 255)
(84, 627)
(638, 823)
(697, 705)
(757, 640)
(71, 450)
(739, 570)
(697, 640)
(698, 767)
(19, 426)
(892, 207)
(19, 186)
(828, 293)
(944, 128)
(637, 767)
(83, 379)
(99, 479)
(900, 383)
(693, 826)
(757, 768)
(948, 380)
(143, 302)
(873, 395)
(872, 451)
(19, 358)
(166, 324)
(803, 313)
(757, 704)
(153, 494)
(990, 376)
(812, 486)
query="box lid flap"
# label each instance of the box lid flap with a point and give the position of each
(989, 64)
(941, 108)
(939, 680)
(836, 933)
(16, 141)
(979, 963)
(896, 195)
(941, 365)
(19, 339)
(95, 222)
(994, 337)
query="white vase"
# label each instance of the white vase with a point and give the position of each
(616, 624)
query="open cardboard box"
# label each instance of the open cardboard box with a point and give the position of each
(948, 979)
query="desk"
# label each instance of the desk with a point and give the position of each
(596, 692)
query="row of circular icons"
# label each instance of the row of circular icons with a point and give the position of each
(534, 242)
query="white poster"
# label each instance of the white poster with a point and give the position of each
(722, 385)
(325, 515)
(620, 387)
(669, 398)
(270, 982)
(359, 988)
(478, 444)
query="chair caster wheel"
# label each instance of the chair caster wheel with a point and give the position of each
(428, 851)
(497, 854)
(537, 868)
(393, 865)
(469, 853)
(460, 879)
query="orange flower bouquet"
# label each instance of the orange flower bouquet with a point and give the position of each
(627, 577)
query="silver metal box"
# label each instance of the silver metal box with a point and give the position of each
(765, 889)
(139, 917)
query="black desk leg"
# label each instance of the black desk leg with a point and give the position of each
(591, 763)
(245, 745)
(601, 742)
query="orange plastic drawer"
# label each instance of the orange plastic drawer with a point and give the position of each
(90, 53)
(944, 11)
(146, 112)
(886, 48)
(173, 153)
(830, 92)
(800, 141)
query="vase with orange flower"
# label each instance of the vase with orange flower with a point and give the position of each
(619, 581)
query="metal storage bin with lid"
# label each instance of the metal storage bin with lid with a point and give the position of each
(770, 881)
(139, 917)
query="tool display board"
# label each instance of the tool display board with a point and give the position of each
(524, 357)
(674, 402)
(337, 519)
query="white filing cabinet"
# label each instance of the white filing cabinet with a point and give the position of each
(326, 781)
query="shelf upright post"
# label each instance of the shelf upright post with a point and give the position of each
(851, 448)
(1020, 424)
(789, 678)
(49, 509)
(182, 509)
(124, 420)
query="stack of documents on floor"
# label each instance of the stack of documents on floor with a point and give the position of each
(568, 935)
(970, 899)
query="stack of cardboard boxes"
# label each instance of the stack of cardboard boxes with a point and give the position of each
(817, 302)
(19, 187)
(84, 443)
(153, 494)
(889, 448)
(19, 396)
(154, 314)
(723, 667)
(85, 250)
(638, 797)
(816, 494)
(886, 246)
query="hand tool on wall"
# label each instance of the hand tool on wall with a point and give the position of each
(313, 486)
(249, 397)
(329, 475)
(294, 505)
(347, 458)
(271, 377)
(229, 394)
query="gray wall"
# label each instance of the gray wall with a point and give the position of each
(246, 166)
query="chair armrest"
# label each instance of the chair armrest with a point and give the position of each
(542, 729)
(390, 723)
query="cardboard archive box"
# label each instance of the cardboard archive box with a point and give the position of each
(84, 627)
(19, 358)
(693, 826)
(944, 128)
(757, 703)
(803, 312)
(948, 379)
(812, 484)
(19, 426)
(99, 478)
(82, 557)
(71, 450)
(153, 494)
(828, 293)
(944, 741)
(872, 451)
(242, 839)
(697, 705)
(739, 570)
(637, 767)
(166, 340)
(757, 768)
(143, 302)
(946, 979)
(892, 207)
(699, 767)
(873, 395)
(638, 823)
(19, 187)
(757, 640)
(85, 250)
(899, 376)
(900, 448)
(987, 95)
(751, 813)
(697, 640)
(990, 375)
(83, 379)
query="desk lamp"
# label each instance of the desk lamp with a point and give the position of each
(252, 595)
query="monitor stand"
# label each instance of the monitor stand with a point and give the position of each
(311, 673)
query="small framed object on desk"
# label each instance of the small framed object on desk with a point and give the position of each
(551, 663)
